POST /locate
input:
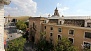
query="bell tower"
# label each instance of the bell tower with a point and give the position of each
(56, 12)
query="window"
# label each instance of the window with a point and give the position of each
(87, 45)
(71, 32)
(51, 39)
(59, 30)
(88, 24)
(71, 40)
(45, 27)
(44, 21)
(88, 35)
(11, 36)
(60, 23)
(50, 34)
(59, 37)
(51, 28)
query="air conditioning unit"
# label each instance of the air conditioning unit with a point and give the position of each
(6, 2)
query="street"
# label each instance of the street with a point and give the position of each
(11, 31)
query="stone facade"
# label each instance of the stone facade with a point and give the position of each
(71, 27)
(35, 27)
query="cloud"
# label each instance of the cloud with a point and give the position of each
(58, 4)
(12, 11)
(61, 8)
(42, 14)
(21, 8)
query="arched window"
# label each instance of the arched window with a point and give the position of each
(60, 22)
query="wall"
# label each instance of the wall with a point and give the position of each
(2, 26)
(38, 27)
(78, 34)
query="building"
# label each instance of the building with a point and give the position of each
(35, 27)
(76, 28)
(8, 19)
(2, 3)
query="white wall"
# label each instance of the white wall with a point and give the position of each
(2, 27)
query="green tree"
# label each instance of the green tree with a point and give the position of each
(21, 25)
(16, 44)
(27, 23)
(65, 45)
(43, 44)
(42, 35)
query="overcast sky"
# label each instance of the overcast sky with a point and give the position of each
(45, 7)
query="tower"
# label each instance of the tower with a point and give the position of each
(49, 15)
(56, 12)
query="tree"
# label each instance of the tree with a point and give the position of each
(21, 25)
(65, 45)
(42, 35)
(27, 23)
(16, 44)
(43, 44)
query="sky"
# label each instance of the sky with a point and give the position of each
(45, 7)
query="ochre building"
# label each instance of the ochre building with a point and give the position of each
(76, 28)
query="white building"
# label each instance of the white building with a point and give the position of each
(2, 3)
